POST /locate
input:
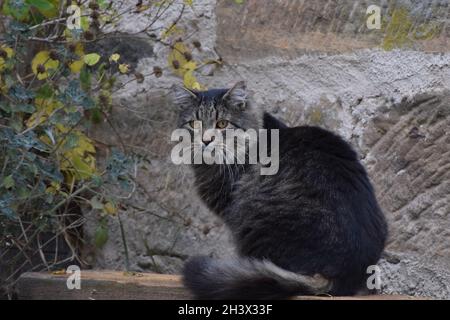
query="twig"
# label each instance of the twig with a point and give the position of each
(124, 241)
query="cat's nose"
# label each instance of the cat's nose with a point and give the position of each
(207, 142)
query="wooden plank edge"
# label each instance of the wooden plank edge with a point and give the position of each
(116, 285)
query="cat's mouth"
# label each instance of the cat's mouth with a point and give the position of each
(220, 153)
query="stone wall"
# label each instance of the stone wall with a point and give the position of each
(308, 62)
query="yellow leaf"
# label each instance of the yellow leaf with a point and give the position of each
(190, 66)
(114, 57)
(53, 188)
(59, 272)
(79, 49)
(91, 59)
(77, 163)
(84, 21)
(44, 108)
(110, 208)
(185, 68)
(9, 51)
(105, 18)
(78, 167)
(177, 54)
(43, 59)
(3, 87)
(85, 144)
(9, 54)
(197, 86)
(172, 30)
(124, 68)
(189, 2)
(77, 65)
(190, 81)
(142, 8)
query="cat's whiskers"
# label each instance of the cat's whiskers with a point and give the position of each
(235, 165)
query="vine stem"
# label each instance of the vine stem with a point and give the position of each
(70, 197)
(125, 246)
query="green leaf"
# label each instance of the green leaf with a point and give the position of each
(73, 94)
(16, 122)
(24, 107)
(20, 93)
(103, 4)
(88, 103)
(6, 206)
(71, 141)
(91, 59)
(97, 181)
(42, 5)
(8, 212)
(96, 116)
(85, 79)
(101, 236)
(16, 8)
(96, 203)
(8, 182)
(5, 107)
(44, 92)
(84, 23)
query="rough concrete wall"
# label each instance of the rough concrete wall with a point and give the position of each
(308, 62)
(260, 29)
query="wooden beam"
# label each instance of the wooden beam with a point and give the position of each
(115, 285)
(101, 285)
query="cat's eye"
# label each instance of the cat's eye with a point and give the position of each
(222, 124)
(195, 124)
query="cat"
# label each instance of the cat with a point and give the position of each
(313, 228)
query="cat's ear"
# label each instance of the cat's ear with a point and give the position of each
(237, 96)
(182, 96)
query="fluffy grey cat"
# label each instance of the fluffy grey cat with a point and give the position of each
(312, 228)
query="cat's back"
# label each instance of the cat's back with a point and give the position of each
(317, 170)
(314, 165)
(301, 139)
(311, 140)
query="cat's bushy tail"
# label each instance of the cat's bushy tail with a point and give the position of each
(242, 278)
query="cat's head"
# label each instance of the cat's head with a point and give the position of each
(219, 109)
(216, 108)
